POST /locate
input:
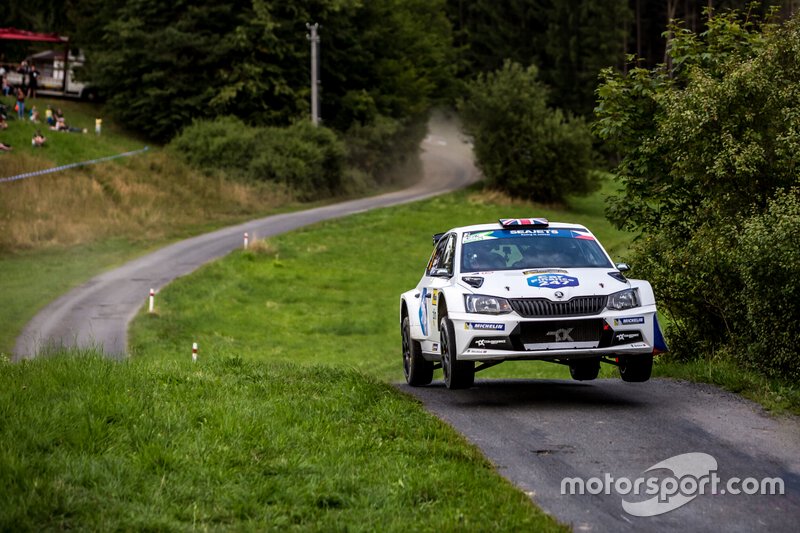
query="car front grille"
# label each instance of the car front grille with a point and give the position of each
(558, 331)
(542, 307)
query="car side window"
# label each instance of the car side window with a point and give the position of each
(448, 259)
(437, 257)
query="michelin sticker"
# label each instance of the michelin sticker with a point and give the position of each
(484, 326)
(552, 281)
(629, 320)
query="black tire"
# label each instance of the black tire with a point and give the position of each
(636, 368)
(457, 374)
(584, 369)
(417, 370)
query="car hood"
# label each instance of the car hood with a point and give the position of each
(544, 283)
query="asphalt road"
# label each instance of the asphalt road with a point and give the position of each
(538, 432)
(97, 313)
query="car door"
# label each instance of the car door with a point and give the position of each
(438, 275)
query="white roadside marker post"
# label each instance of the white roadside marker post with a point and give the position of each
(246, 240)
(194, 352)
(152, 299)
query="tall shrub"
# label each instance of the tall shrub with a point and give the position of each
(522, 146)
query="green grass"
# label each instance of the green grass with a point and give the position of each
(230, 444)
(328, 293)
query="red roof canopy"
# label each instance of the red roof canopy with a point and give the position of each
(13, 34)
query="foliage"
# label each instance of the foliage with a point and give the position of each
(522, 146)
(770, 269)
(568, 40)
(162, 65)
(706, 145)
(308, 159)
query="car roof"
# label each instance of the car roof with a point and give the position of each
(497, 226)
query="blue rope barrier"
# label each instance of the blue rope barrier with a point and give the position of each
(72, 165)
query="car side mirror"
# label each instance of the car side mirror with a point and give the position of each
(440, 273)
(623, 267)
(437, 237)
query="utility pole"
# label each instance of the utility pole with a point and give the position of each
(314, 38)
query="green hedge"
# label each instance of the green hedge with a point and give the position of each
(310, 160)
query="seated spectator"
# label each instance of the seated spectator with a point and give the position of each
(3, 123)
(5, 147)
(34, 114)
(48, 116)
(38, 139)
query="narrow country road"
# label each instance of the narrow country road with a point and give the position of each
(97, 313)
(539, 432)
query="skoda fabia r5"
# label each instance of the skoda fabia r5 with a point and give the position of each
(526, 289)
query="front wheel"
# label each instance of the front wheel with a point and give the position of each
(637, 368)
(417, 370)
(457, 374)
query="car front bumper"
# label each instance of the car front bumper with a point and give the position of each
(510, 337)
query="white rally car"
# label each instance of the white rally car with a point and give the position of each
(526, 289)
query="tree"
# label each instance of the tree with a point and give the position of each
(707, 145)
(522, 146)
(162, 65)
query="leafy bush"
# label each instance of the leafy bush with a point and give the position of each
(708, 148)
(523, 147)
(770, 268)
(309, 159)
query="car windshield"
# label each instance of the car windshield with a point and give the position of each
(508, 249)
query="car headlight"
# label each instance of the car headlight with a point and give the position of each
(487, 305)
(627, 299)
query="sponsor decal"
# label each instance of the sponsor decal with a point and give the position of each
(626, 321)
(544, 271)
(435, 296)
(627, 337)
(478, 236)
(484, 326)
(562, 335)
(552, 281)
(496, 343)
(435, 346)
(476, 351)
(639, 345)
(532, 232)
(423, 312)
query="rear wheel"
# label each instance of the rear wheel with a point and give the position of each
(584, 369)
(457, 374)
(636, 368)
(418, 371)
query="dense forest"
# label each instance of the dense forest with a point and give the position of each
(163, 64)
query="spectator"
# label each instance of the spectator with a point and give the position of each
(3, 123)
(6, 86)
(48, 116)
(20, 103)
(34, 115)
(38, 139)
(34, 81)
(25, 70)
(5, 147)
